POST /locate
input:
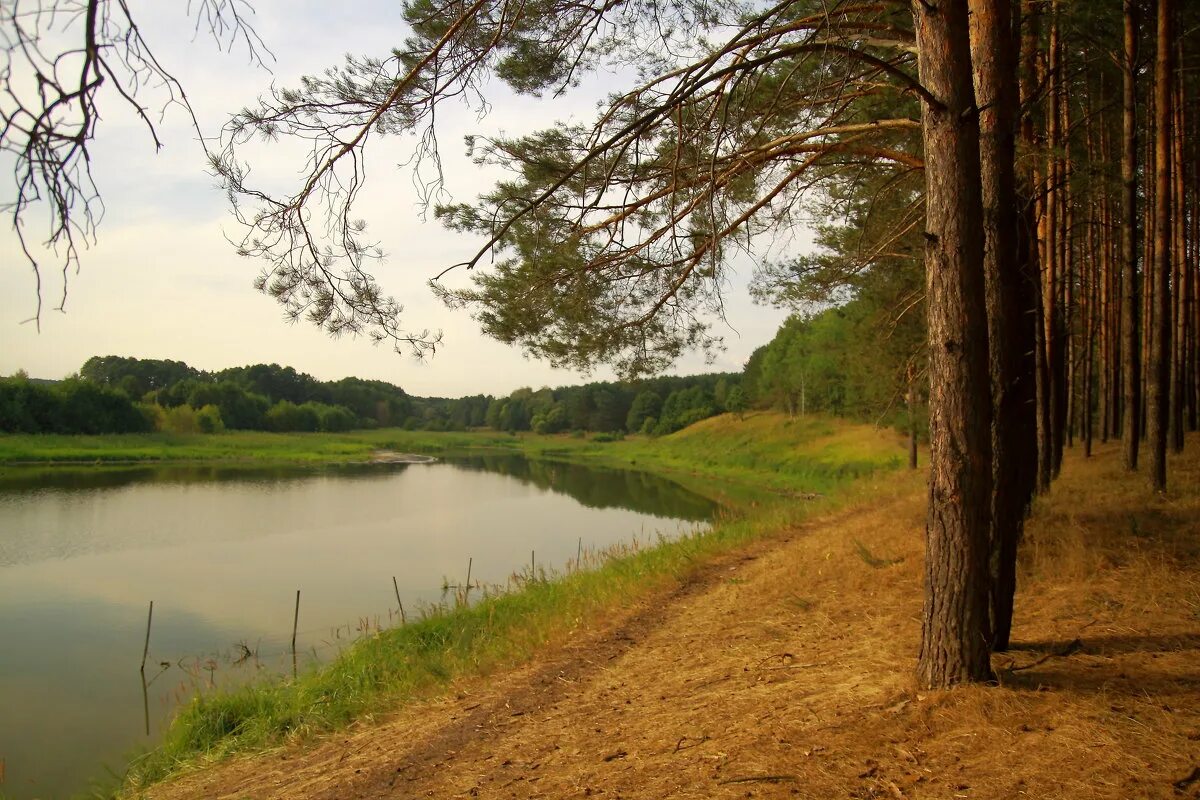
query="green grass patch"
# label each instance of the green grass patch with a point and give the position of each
(762, 452)
(304, 448)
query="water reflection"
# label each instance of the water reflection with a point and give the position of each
(73, 478)
(222, 551)
(597, 487)
(594, 487)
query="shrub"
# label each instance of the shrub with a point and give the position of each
(208, 419)
(180, 419)
(153, 414)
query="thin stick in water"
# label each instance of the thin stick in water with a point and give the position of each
(146, 649)
(295, 623)
(145, 701)
(469, 561)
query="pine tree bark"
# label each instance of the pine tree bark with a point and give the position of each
(1191, 271)
(1148, 250)
(1105, 374)
(1110, 304)
(1104, 366)
(1178, 265)
(1033, 217)
(1045, 433)
(1158, 374)
(1131, 379)
(995, 71)
(1070, 303)
(954, 632)
(1052, 244)
(1089, 329)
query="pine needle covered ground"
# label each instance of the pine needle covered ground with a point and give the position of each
(783, 668)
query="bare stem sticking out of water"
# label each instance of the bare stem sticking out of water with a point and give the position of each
(146, 648)
(295, 625)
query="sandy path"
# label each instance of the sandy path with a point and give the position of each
(780, 671)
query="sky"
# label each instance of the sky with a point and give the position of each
(164, 281)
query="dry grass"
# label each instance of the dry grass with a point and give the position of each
(786, 671)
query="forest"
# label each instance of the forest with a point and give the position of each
(113, 394)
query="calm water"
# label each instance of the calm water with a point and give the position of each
(222, 551)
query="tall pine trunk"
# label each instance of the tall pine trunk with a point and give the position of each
(1179, 263)
(995, 72)
(1032, 215)
(1054, 225)
(954, 633)
(1158, 374)
(1192, 288)
(1131, 378)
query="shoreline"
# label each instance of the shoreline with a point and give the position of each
(833, 463)
(782, 666)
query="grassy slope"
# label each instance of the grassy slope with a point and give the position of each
(422, 658)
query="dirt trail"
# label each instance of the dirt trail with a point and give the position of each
(784, 670)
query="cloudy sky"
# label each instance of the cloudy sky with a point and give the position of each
(163, 281)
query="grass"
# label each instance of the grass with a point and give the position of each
(760, 452)
(1132, 547)
(751, 448)
(811, 457)
(257, 446)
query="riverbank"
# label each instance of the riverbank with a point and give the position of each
(233, 447)
(782, 667)
(728, 458)
(758, 451)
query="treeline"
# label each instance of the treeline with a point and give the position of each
(176, 397)
(832, 362)
(84, 404)
(653, 406)
(856, 360)
(112, 394)
(857, 347)
(70, 406)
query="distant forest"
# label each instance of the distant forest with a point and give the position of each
(112, 394)
(833, 361)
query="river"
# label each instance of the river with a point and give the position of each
(222, 551)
